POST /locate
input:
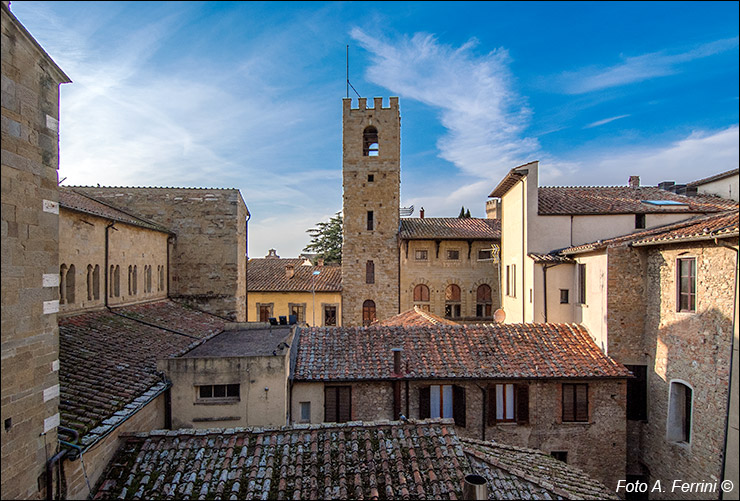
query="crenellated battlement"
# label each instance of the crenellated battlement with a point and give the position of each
(377, 104)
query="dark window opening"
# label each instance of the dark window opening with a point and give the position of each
(484, 254)
(508, 402)
(453, 255)
(679, 413)
(637, 393)
(369, 272)
(483, 301)
(265, 312)
(368, 312)
(560, 455)
(337, 404)
(218, 391)
(330, 315)
(370, 142)
(452, 301)
(421, 255)
(370, 178)
(640, 221)
(8, 423)
(582, 284)
(564, 299)
(575, 402)
(370, 220)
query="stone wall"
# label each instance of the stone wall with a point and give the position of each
(82, 245)
(380, 195)
(207, 258)
(437, 272)
(626, 304)
(693, 348)
(30, 260)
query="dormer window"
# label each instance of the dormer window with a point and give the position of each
(370, 142)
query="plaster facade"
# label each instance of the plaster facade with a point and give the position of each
(280, 303)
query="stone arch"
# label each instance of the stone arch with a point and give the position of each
(368, 312)
(70, 285)
(370, 142)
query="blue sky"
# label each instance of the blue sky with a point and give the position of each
(248, 95)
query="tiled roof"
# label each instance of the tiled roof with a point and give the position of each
(415, 317)
(716, 177)
(584, 200)
(537, 475)
(268, 275)
(549, 258)
(450, 228)
(375, 460)
(70, 199)
(108, 363)
(707, 227)
(517, 351)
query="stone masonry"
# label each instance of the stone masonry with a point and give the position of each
(30, 260)
(370, 183)
(207, 260)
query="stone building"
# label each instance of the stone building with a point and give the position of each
(544, 386)
(280, 287)
(30, 261)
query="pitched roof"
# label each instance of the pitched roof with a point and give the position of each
(716, 177)
(374, 460)
(549, 258)
(268, 275)
(108, 362)
(415, 317)
(451, 228)
(586, 200)
(516, 351)
(70, 199)
(722, 225)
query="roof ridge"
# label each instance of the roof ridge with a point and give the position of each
(107, 204)
(151, 187)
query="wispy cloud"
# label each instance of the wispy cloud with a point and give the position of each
(604, 121)
(484, 116)
(637, 68)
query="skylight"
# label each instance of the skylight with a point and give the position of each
(671, 203)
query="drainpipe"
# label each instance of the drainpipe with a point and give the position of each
(524, 254)
(105, 292)
(246, 267)
(50, 472)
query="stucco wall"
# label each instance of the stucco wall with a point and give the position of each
(282, 300)
(727, 188)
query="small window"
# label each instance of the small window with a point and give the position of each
(305, 412)
(639, 221)
(564, 299)
(368, 312)
(370, 272)
(96, 282)
(63, 284)
(298, 311)
(130, 280)
(370, 142)
(265, 311)
(508, 402)
(421, 255)
(117, 280)
(370, 220)
(370, 178)
(218, 391)
(89, 282)
(443, 401)
(330, 315)
(581, 284)
(421, 293)
(679, 413)
(71, 284)
(452, 301)
(483, 301)
(337, 404)
(637, 393)
(484, 254)
(575, 402)
(686, 271)
(453, 255)
(560, 455)
(511, 280)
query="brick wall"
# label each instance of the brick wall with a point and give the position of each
(207, 259)
(30, 259)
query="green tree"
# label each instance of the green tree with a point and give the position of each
(463, 213)
(326, 240)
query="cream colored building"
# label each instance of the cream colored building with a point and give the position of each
(724, 184)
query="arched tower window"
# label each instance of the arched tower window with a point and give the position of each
(63, 284)
(117, 280)
(71, 284)
(421, 297)
(483, 301)
(89, 282)
(96, 282)
(369, 272)
(130, 279)
(452, 301)
(370, 142)
(368, 312)
(135, 280)
(111, 278)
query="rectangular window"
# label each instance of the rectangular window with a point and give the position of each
(575, 402)
(370, 178)
(508, 402)
(299, 311)
(440, 401)
(453, 255)
(337, 404)
(330, 315)
(484, 254)
(370, 220)
(370, 272)
(218, 391)
(640, 221)
(679, 413)
(421, 255)
(637, 393)
(564, 299)
(686, 272)
(508, 280)
(560, 455)
(305, 412)
(265, 311)
(582, 284)
(443, 401)
(504, 402)
(513, 280)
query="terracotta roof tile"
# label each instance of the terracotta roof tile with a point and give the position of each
(268, 275)
(517, 351)
(414, 317)
(377, 460)
(108, 363)
(450, 228)
(566, 200)
(549, 258)
(70, 199)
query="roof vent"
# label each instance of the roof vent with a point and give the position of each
(634, 182)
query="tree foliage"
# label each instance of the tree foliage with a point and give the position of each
(463, 213)
(326, 240)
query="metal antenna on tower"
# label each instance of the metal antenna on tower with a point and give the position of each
(348, 82)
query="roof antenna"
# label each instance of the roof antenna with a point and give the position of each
(348, 83)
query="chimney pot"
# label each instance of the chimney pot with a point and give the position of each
(320, 261)
(289, 271)
(634, 182)
(421, 213)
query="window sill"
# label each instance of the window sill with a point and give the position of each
(576, 423)
(218, 401)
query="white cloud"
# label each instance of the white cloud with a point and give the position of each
(483, 114)
(604, 121)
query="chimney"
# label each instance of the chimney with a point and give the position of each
(272, 254)
(421, 213)
(320, 261)
(289, 271)
(493, 209)
(634, 182)
(397, 361)
(475, 487)
(666, 185)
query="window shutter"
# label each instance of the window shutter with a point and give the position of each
(522, 403)
(330, 404)
(568, 403)
(491, 405)
(458, 405)
(424, 407)
(581, 402)
(344, 409)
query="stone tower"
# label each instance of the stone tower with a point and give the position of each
(371, 172)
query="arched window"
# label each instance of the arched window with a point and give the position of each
(483, 301)
(117, 277)
(370, 142)
(149, 279)
(96, 282)
(130, 279)
(369, 272)
(71, 284)
(112, 284)
(63, 284)
(368, 312)
(421, 297)
(452, 301)
(680, 403)
(89, 282)
(135, 280)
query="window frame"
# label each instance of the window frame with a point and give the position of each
(419, 252)
(685, 418)
(640, 221)
(324, 309)
(453, 308)
(577, 417)
(490, 255)
(692, 293)
(369, 312)
(450, 252)
(270, 306)
(581, 277)
(339, 389)
(484, 307)
(370, 220)
(302, 406)
(301, 317)
(231, 393)
(565, 296)
(369, 271)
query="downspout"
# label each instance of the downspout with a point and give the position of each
(246, 267)
(50, 472)
(524, 227)
(544, 286)
(105, 295)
